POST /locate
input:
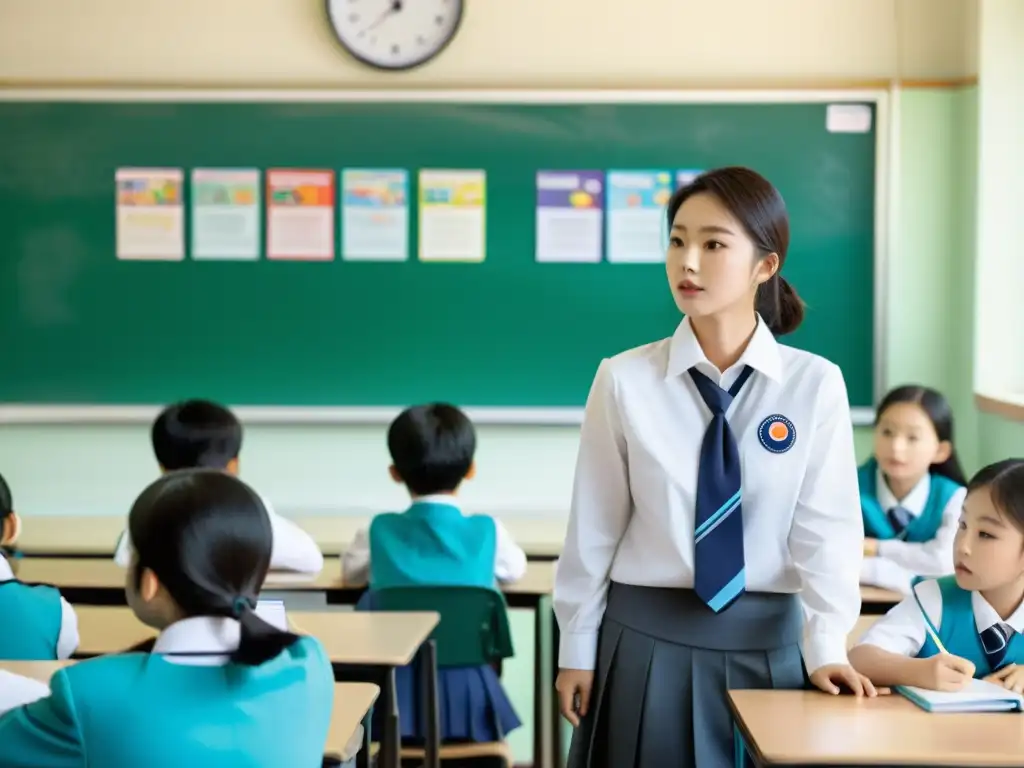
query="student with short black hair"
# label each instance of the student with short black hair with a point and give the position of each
(218, 686)
(203, 434)
(36, 623)
(434, 543)
(432, 451)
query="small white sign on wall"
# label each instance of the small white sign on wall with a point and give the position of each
(848, 118)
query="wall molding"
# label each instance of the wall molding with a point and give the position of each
(1008, 409)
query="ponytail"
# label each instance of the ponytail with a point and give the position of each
(260, 641)
(779, 305)
(950, 469)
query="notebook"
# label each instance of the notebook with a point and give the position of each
(978, 696)
(16, 690)
(272, 612)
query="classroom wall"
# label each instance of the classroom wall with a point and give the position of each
(504, 43)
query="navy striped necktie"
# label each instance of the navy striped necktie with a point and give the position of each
(719, 576)
(900, 518)
(996, 641)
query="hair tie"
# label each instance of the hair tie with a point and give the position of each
(241, 605)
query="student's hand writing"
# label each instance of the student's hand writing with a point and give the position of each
(945, 672)
(831, 676)
(573, 686)
(1010, 677)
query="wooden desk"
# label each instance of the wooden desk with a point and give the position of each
(352, 701)
(875, 600)
(841, 730)
(541, 536)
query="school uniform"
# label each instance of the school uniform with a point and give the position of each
(966, 625)
(915, 533)
(162, 710)
(293, 549)
(675, 584)
(434, 544)
(37, 623)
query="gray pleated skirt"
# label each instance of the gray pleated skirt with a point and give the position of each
(664, 663)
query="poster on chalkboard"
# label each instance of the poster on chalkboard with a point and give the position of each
(452, 215)
(375, 214)
(637, 202)
(570, 216)
(300, 215)
(225, 214)
(150, 215)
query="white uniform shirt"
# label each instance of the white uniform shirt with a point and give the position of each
(902, 630)
(632, 514)
(509, 557)
(898, 562)
(293, 549)
(67, 640)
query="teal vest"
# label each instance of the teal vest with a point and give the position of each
(139, 709)
(432, 544)
(30, 621)
(959, 631)
(924, 527)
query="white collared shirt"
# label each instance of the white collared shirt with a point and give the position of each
(216, 637)
(293, 549)
(902, 630)
(509, 557)
(632, 514)
(67, 640)
(898, 561)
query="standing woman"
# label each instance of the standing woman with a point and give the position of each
(715, 505)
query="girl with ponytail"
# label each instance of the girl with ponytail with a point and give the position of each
(218, 686)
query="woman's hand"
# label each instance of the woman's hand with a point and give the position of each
(831, 676)
(574, 686)
(1010, 677)
(870, 547)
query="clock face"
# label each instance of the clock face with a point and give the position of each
(394, 34)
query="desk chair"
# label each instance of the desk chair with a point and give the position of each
(473, 632)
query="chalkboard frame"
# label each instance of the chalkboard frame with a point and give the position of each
(32, 413)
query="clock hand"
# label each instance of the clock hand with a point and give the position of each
(395, 7)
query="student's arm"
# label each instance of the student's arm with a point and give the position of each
(44, 733)
(355, 561)
(67, 641)
(294, 550)
(928, 558)
(509, 557)
(598, 517)
(886, 652)
(123, 551)
(826, 538)
(879, 572)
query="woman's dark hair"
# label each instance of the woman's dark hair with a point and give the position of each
(207, 537)
(6, 501)
(939, 413)
(760, 209)
(1005, 483)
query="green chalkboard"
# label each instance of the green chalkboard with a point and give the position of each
(79, 326)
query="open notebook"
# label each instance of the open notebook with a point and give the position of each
(16, 690)
(979, 696)
(273, 612)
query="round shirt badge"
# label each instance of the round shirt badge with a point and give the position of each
(777, 433)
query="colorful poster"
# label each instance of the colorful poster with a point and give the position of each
(686, 176)
(636, 215)
(452, 215)
(150, 214)
(300, 215)
(225, 214)
(570, 216)
(375, 214)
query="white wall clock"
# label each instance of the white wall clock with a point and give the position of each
(394, 34)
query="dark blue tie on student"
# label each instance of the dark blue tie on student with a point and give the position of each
(719, 576)
(995, 640)
(899, 519)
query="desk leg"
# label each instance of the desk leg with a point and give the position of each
(430, 719)
(556, 716)
(540, 691)
(391, 739)
(364, 758)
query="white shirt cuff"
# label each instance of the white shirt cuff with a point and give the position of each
(577, 650)
(822, 650)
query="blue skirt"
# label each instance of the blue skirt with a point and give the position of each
(471, 702)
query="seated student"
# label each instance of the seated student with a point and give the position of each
(199, 433)
(218, 686)
(977, 613)
(434, 543)
(911, 490)
(38, 624)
